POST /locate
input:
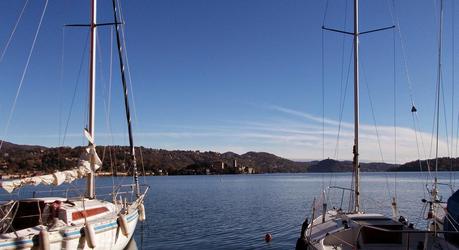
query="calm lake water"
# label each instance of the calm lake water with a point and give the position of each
(236, 211)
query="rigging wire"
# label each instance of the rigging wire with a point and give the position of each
(341, 111)
(417, 140)
(102, 79)
(452, 92)
(371, 108)
(457, 143)
(119, 15)
(434, 4)
(433, 125)
(395, 107)
(323, 81)
(439, 83)
(449, 153)
(61, 92)
(343, 36)
(323, 97)
(109, 103)
(341, 94)
(106, 103)
(325, 12)
(10, 38)
(75, 90)
(415, 116)
(378, 138)
(13, 107)
(428, 163)
(396, 22)
(445, 118)
(128, 68)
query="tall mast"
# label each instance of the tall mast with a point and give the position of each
(356, 109)
(92, 96)
(439, 79)
(355, 150)
(126, 101)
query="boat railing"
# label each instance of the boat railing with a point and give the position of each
(412, 231)
(103, 192)
(338, 237)
(434, 189)
(448, 185)
(344, 190)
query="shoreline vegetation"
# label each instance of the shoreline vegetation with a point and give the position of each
(18, 161)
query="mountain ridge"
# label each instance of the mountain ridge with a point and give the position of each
(33, 158)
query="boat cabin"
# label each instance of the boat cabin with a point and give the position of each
(379, 230)
(55, 211)
(365, 231)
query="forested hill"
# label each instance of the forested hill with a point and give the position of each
(27, 159)
(24, 158)
(444, 164)
(330, 165)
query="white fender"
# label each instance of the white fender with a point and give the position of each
(44, 240)
(142, 215)
(122, 221)
(90, 235)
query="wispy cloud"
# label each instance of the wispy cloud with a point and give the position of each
(404, 147)
(309, 116)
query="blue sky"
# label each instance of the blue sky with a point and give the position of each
(229, 75)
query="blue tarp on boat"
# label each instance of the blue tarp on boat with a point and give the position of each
(452, 219)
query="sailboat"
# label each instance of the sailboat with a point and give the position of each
(83, 222)
(443, 216)
(353, 228)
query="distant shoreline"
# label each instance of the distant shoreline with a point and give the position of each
(124, 174)
(26, 160)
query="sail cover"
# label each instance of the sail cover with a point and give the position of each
(452, 219)
(84, 168)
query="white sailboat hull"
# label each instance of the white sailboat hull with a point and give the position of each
(108, 235)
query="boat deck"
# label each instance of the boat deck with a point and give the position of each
(367, 231)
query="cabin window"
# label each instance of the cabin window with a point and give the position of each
(88, 212)
(375, 236)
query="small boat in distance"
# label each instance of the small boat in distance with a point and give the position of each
(352, 228)
(85, 221)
